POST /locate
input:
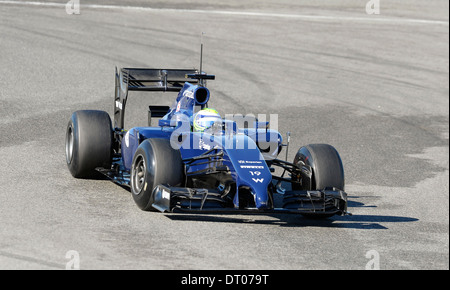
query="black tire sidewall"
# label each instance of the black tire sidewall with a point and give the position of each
(144, 197)
(92, 142)
(328, 170)
(163, 166)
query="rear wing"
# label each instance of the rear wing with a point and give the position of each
(143, 79)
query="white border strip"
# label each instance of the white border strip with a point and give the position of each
(369, 18)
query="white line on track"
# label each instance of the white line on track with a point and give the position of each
(368, 18)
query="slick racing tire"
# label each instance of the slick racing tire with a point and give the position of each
(327, 170)
(155, 162)
(326, 165)
(89, 139)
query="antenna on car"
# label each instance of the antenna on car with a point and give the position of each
(201, 52)
(200, 76)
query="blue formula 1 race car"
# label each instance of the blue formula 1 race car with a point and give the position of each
(196, 161)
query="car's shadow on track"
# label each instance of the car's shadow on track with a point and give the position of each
(355, 221)
(364, 222)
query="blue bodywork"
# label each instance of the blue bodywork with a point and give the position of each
(241, 147)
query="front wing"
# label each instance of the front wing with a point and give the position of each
(325, 202)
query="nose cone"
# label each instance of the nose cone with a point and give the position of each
(250, 169)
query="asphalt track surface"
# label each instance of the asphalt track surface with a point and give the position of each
(374, 86)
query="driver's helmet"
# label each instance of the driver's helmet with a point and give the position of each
(205, 119)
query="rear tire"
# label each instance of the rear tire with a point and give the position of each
(155, 162)
(88, 142)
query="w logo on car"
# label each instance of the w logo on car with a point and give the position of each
(260, 180)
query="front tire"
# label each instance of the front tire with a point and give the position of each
(327, 171)
(326, 165)
(88, 144)
(155, 162)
